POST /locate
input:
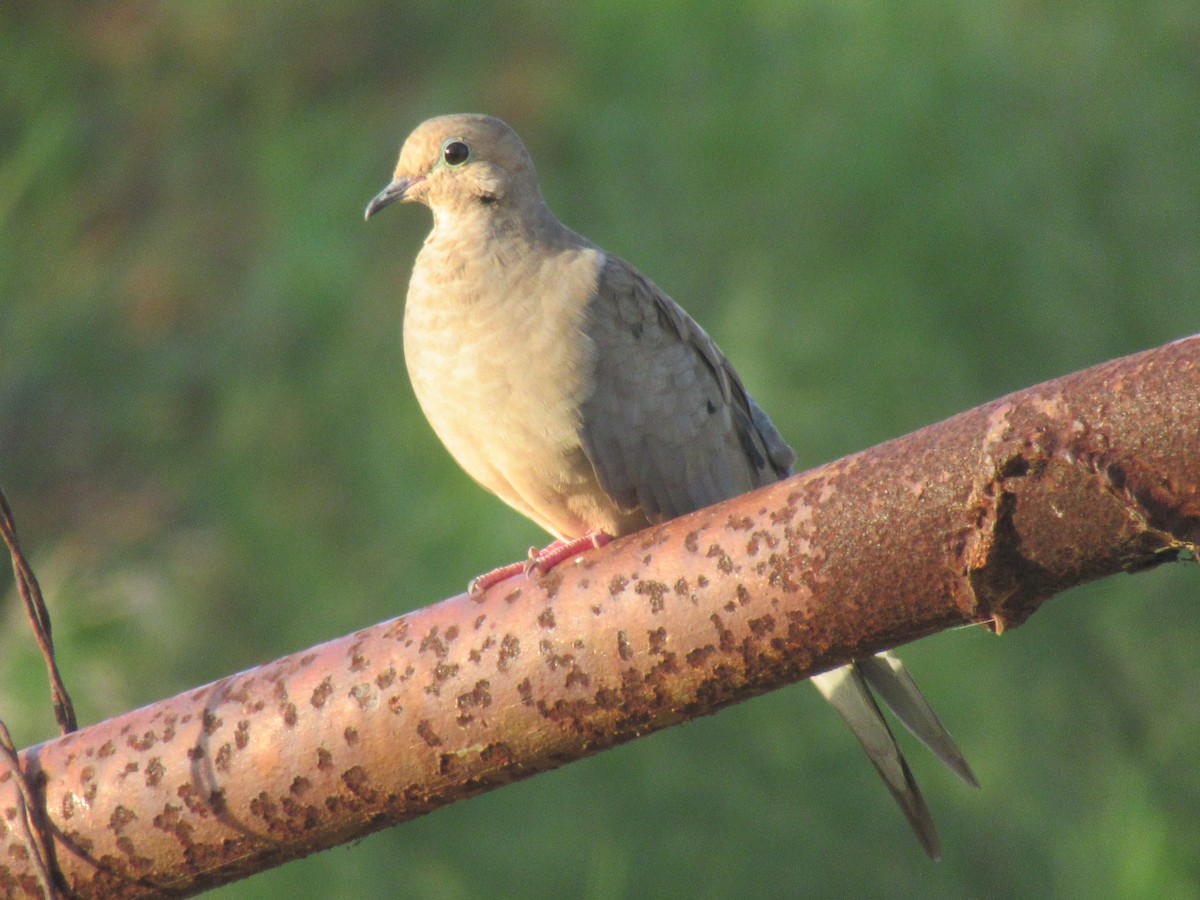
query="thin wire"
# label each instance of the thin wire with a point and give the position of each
(39, 618)
(32, 836)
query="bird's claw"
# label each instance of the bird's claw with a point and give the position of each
(538, 562)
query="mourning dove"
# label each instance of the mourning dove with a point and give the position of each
(566, 383)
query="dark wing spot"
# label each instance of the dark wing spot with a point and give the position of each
(746, 433)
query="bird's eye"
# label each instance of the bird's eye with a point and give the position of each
(455, 152)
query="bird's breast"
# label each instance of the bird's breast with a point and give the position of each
(500, 363)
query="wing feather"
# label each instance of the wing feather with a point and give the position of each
(668, 421)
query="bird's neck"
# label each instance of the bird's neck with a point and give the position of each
(491, 260)
(457, 229)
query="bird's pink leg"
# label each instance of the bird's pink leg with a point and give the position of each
(541, 560)
(550, 556)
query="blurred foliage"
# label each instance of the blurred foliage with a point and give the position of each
(885, 213)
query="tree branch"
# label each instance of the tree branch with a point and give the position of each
(976, 519)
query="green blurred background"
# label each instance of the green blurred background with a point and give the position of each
(885, 213)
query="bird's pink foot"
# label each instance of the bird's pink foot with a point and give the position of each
(540, 561)
(559, 551)
(481, 583)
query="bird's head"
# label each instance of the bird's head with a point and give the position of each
(454, 163)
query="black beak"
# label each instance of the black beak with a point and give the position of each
(389, 195)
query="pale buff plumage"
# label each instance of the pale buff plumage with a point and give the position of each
(569, 385)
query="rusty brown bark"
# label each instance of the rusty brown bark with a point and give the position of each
(976, 519)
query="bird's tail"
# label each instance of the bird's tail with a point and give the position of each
(848, 690)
